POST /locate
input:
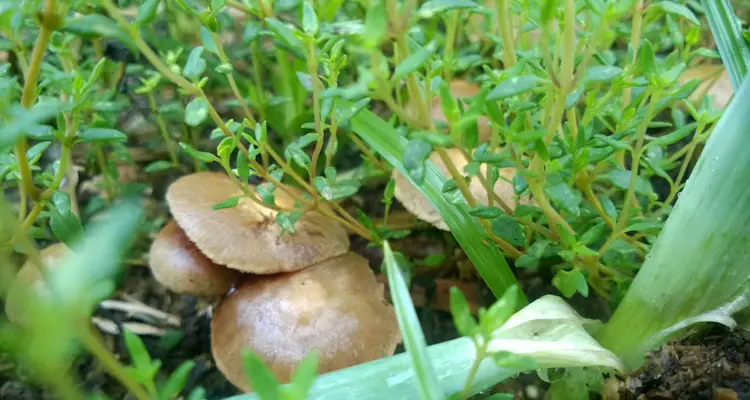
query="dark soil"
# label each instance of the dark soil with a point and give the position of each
(716, 366)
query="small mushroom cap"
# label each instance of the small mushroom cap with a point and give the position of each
(335, 307)
(463, 90)
(714, 82)
(29, 277)
(416, 203)
(178, 265)
(246, 237)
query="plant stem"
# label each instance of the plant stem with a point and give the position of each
(317, 88)
(163, 129)
(635, 38)
(481, 354)
(230, 77)
(505, 24)
(450, 38)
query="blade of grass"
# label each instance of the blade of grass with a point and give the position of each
(394, 378)
(487, 259)
(708, 278)
(732, 48)
(411, 331)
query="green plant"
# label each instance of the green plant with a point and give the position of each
(581, 98)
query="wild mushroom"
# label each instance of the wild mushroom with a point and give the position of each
(714, 82)
(335, 307)
(415, 202)
(29, 278)
(464, 90)
(246, 237)
(179, 266)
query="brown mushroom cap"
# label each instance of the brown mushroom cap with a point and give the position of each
(30, 277)
(246, 237)
(178, 265)
(416, 203)
(335, 307)
(714, 82)
(464, 90)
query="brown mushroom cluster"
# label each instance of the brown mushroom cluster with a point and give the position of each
(284, 296)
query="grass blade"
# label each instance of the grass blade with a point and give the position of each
(487, 259)
(394, 378)
(732, 47)
(411, 331)
(710, 225)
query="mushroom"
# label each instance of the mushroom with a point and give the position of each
(335, 307)
(29, 280)
(246, 237)
(415, 202)
(178, 265)
(714, 82)
(464, 90)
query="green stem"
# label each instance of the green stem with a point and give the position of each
(163, 129)
(450, 39)
(481, 354)
(505, 24)
(317, 89)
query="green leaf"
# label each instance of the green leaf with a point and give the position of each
(195, 64)
(177, 380)
(488, 260)
(309, 19)
(673, 8)
(35, 152)
(286, 35)
(411, 331)
(506, 228)
(464, 322)
(647, 60)
(157, 166)
(261, 378)
(196, 111)
(499, 312)
(602, 73)
(287, 220)
(207, 40)
(64, 223)
(570, 282)
(147, 12)
(95, 25)
(621, 179)
(376, 24)
(197, 154)
(431, 8)
(593, 234)
(304, 376)
(294, 153)
(486, 212)
(92, 135)
(336, 192)
(530, 136)
(727, 33)
(513, 86)
(414, 61)
(673, 137)
(217, 5)
(228, 203)
(137, 350)
(563, 195)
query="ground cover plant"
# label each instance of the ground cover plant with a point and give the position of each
(282, 195)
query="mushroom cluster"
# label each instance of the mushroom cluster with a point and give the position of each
(283, 295)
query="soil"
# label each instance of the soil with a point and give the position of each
(715, 366)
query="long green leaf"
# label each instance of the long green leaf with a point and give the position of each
(487, 259)
(732, 48)
(414, 340)
(699, 268)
